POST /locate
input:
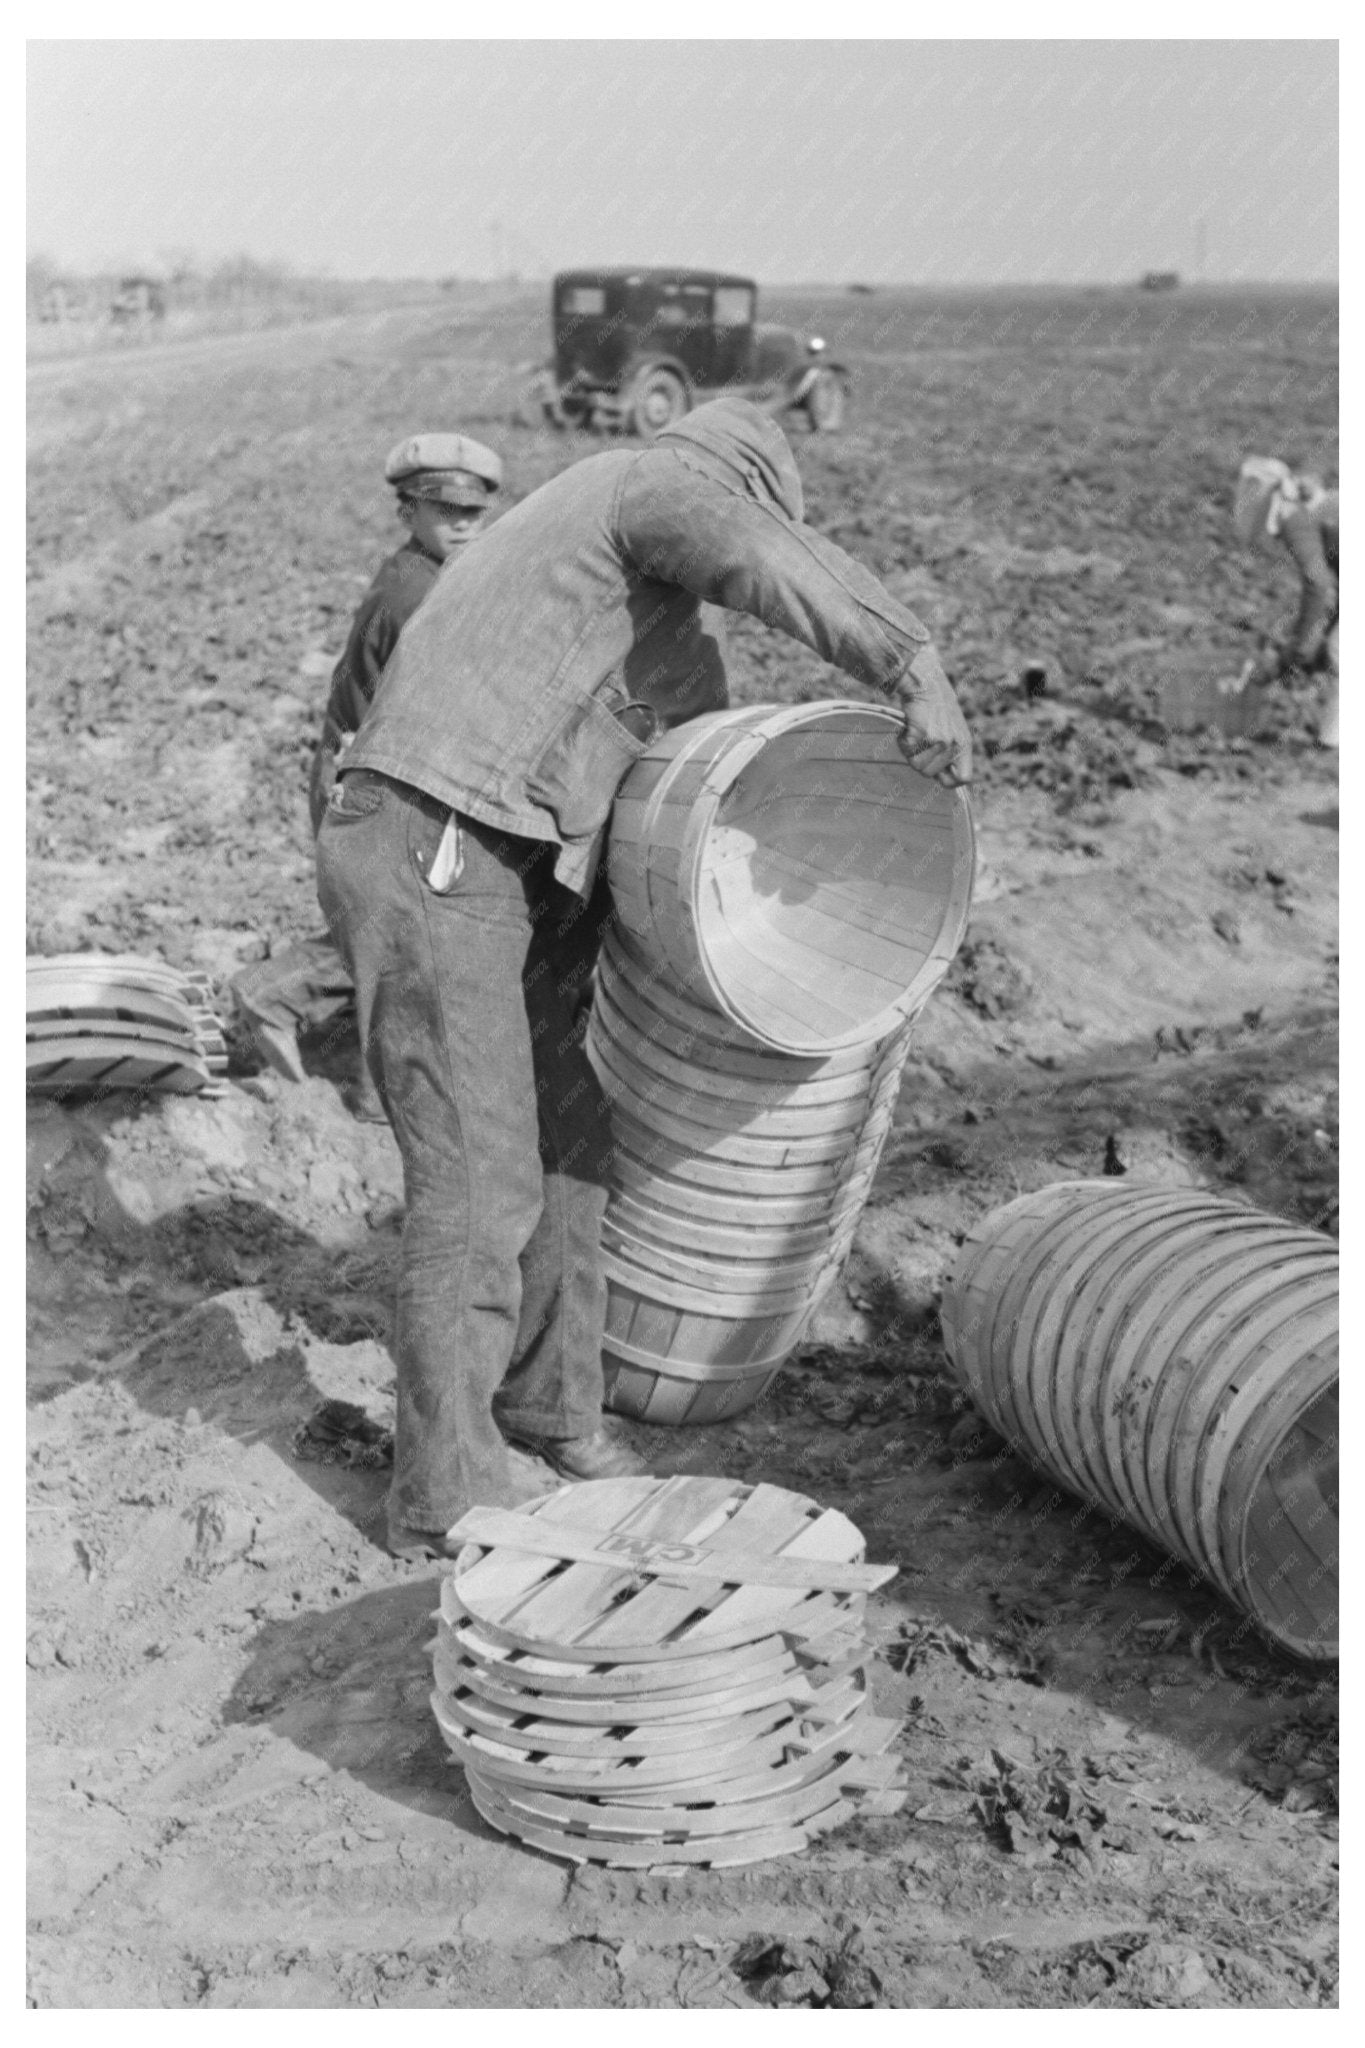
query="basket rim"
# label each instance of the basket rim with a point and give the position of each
(721, 777)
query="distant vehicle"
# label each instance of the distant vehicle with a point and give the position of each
(1160, 280)
(636, 349)
(138, 302)
(58, 304)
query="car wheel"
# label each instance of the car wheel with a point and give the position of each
(657, 399)
(826, 403)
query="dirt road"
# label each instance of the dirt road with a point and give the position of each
(1120, 1797)
(161, 357)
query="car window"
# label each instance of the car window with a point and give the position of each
(584, 299)
(681, 305)
(734, 306)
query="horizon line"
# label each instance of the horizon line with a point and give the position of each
(292, 272)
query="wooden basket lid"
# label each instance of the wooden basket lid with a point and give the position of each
(769, 1822)
(704, 1564)
(619, 1692)
(89, 1060)
(715, 1765)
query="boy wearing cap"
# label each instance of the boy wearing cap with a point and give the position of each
(445, 484)
(1273, 508)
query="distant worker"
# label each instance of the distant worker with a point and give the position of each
(1273, 507)
(445, 485)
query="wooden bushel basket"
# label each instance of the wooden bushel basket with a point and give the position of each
(1173, 1356)
(789, 891)
(787, 868)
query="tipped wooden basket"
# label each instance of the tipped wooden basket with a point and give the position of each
(1173, 1356)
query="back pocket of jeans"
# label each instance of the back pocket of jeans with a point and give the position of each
(580, 771)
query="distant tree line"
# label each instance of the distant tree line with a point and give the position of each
(178, 282)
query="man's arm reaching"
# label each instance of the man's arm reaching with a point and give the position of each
(693, 532)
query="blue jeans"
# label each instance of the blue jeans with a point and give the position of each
(305, 983)
(468, 971)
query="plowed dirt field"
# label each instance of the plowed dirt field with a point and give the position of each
(1120, 1796)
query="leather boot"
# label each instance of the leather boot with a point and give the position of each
(599, 1456)
(363, 1100)
(527, 1479)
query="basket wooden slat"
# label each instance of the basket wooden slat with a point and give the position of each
(789, 1753)
(748, 1690)
(622, 1821)
(522, 1670)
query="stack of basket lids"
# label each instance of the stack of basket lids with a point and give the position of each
(120, 1020)
(652, 1672)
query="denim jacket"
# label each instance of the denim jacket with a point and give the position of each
(501, 697)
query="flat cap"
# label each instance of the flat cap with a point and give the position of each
(448, 467)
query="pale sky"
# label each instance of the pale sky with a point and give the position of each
(917, 162)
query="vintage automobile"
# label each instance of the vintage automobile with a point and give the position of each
(635, 349)
(138, 302)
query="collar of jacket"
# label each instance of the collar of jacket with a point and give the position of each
(413, 546)
(742, 448)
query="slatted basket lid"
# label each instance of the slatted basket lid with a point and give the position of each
(640, 1570)
(58, 1064)
(646, 1672)
(651, 1833)
(120, 1021)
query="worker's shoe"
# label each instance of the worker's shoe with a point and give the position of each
(599, 1456)
(414, 1546)
(527, 1479)
(362, 1099)
(276, 1043)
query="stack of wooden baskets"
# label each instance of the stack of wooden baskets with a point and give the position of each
(788, 893)
(654, 1672)
(739, 1176)
(120, 1020)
